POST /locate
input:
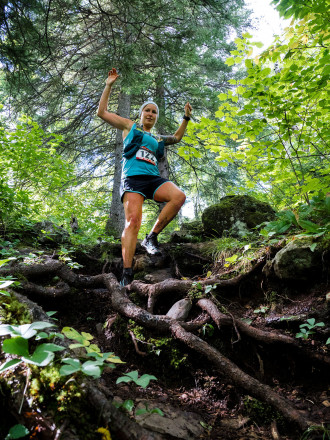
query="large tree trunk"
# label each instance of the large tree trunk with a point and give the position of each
(160, 98)
(116, 221)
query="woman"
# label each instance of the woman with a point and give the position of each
(140, 176)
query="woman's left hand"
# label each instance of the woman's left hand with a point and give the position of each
(187, 109)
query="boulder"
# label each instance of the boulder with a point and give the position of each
(190, 232)
(51, 234)
(235, 216)
(157, 276)
(298, 260)
(180, 310)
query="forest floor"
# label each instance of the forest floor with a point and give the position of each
(188, 384)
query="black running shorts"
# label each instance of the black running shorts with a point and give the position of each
(144, 185)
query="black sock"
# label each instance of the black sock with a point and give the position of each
(128, 271)
(153, 234)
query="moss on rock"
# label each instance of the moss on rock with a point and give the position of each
(234, 211)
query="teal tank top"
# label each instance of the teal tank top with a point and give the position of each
(142, 150)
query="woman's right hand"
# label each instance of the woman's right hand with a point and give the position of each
(112, 77)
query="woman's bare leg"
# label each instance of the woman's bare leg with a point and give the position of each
(175, 198)
(133, 216)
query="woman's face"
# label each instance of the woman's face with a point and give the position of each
(149, 116)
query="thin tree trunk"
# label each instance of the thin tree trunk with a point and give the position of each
(116, 221)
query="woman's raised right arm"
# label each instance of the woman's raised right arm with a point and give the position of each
(112, 118)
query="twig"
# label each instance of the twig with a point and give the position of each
(28, 374)
(142, 353)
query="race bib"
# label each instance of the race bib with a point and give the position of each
(145, 154)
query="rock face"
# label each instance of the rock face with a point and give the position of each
(236, 215)
(50, 234)
(178, 424)
(296, 261)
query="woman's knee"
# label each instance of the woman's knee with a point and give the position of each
(179, 199)
(133, 222)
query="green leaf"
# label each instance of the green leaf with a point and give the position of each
(49, 347)
(27, 331)
(125, 379)
(223, 96)
(73, 365)
(3, 262)
(230, 61)
(6, 284)
(141, 411)
(312, 247)
(4, 293)
(39, 358)
(17, 431)
(18, 346)
(91, 368)
(128, 405)
(71, 333)
(9, 364)
(133, 375)
(309, 226)
(157, 411)
(144, 380)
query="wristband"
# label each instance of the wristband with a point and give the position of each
(186, 118)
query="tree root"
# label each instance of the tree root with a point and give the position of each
(260, 335)
(182, 287)
(228, 369)
(122, 304)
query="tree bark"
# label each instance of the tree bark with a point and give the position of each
(116, 221)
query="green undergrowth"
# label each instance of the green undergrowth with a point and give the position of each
(164, 350)
(262, 414)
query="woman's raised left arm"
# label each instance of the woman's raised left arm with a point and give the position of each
(174, 139)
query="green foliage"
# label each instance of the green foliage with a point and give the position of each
(273, 124)
(308, 220)
(222, 248)
(262, 309)
(30, 169)
(81, 339)
(17, 431)
(147, 410)
(18, 345)
(64, 256)
(128, 405)
(261, 413)
(306, 329)
(133, 376)
(316, 431)
(196, 291)
(208, 329)
(92, 368)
